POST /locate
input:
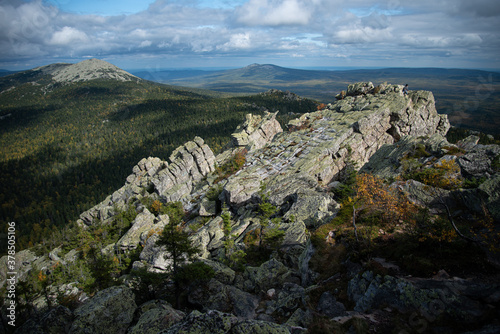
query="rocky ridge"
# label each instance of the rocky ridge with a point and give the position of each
(89, 69)
(370, 129)
(321, 143)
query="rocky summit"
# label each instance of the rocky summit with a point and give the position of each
(89, 69)
(268, 219)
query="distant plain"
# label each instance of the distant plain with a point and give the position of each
(471, 98)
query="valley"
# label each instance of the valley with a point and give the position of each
(471, 98)
(359, 216)
(249, 167)
(66, 144)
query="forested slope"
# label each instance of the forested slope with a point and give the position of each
(64, 147)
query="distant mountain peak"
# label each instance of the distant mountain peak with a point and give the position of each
(261, 66)
(89, 69)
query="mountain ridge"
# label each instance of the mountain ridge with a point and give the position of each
(67, 145)
(286, 241)
(91, 69)
(66, 73)
(470, 97)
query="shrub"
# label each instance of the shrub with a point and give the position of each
(443, 175)
(195, 272)
(155, 207)
(233, 165)
(321, 106)
(495, 164)
(214, 192)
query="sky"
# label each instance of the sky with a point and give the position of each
(160, 34)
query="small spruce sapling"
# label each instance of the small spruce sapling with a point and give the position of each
(179, 248)
(266, 210)
(233, 258)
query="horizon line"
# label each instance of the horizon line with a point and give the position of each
(222, 68)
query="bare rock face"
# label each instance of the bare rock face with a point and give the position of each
(188, 164)
(144, 223)
(172, 181)
(110, 311)
(256, 131)
(89, 69)
(478, 162)
(322, 143)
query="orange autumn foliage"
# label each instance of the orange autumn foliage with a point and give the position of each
(373, 196)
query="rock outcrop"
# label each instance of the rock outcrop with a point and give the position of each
(172, 181)
(257, 131)
(428, 296)
(144, 223)
(89, 69)
(109, 311)
(323, 143)
(370, 129)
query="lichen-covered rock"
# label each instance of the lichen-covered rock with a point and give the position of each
(213, 322)
(154, 256)
(312, 208)
(137, 184)
(225, 298)
(23, 263)
(359, 88)
(324, 142)
(256, 131)
(142, 224)
(478, 162)
(301, 320)
(329, 306)
(259, 327)
(468, 143)
(270, 274)
(57, 320)
(295, 233)
(435, 296)
(387, 161)
(110, 311)
(188, 164)
(491, 188)
(290, 298)
(172, 181)
(207, 208)
(209, 237)
(424, 195)
(222, 273)
(156, 316)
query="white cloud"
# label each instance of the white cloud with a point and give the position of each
(273, 29)
(463, 40)
(67, 36)
(362, 35)
(145, 44)
(141, 33)
(274, 12)
(237, 41)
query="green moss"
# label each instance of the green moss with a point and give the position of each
(495, 164)
(214, 192)
(473, 182)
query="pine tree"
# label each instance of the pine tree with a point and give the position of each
(177, 245)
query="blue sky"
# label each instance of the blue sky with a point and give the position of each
(222, 33)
